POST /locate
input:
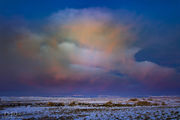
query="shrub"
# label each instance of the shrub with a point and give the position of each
(73, 103)
(176, 113)
(150, 99)
(143, 103)
(155, 104)
(59, 104)
(108, 104)
(163, 103)
(129, 105)
(119, 105)
(50, 104)
(133, 99)
(1, 108)
(55, 104)
(40, 104)
(85, 104)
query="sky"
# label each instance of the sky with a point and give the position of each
(89, 47)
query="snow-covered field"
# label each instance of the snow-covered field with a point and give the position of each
(109, 108)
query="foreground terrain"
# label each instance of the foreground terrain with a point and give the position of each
(67, 108)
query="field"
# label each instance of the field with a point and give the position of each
(106, 108)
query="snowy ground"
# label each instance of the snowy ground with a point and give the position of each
(89, 108)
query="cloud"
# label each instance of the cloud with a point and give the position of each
(83, 46)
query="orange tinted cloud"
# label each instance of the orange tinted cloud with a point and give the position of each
(89, 42)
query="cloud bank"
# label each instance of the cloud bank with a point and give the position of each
(91, 47)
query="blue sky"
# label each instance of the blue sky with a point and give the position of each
(160, 9)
